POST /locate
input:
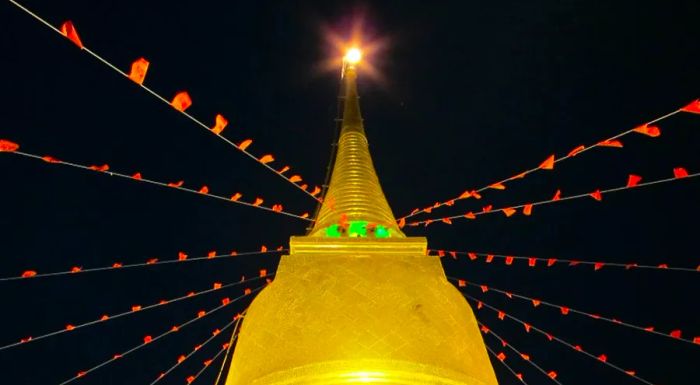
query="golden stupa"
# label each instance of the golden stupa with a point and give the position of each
(356, 301)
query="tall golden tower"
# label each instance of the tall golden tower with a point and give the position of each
(356, 301)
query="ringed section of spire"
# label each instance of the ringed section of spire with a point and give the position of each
(355, 205)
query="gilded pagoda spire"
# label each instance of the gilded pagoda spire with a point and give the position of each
(356, 301)
(354, 196)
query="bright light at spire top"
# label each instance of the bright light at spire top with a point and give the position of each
(353, 56)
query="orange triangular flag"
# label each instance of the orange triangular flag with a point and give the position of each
(648, 130)
(220, 124)
(680, 172)
(447, 220)
(245, 144)
(610, 143)
(596, 195)
(548, 163)
(527, 209)
(508, 211)
(267, 159)
(295, 178)
(204, 190)
(181, 101)
(498, 186)
(470, 215)
(68, 30)
(465, 195)
(7, 146)
(693, 107)
(258, 202)
(138, 70)
(576, 150)
(316, 190)
(402, 223)
(632, 180)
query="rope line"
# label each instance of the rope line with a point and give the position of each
(175, 186)
(472, 215)
(603, 359)
(566, 310)
(134, 310)
(159, 97)
(532, 261)
(150, 340)
(519, 376)
(119, 266)
(192, 379)
(195, 350)
(234, 337)
(576, 152)
(551, 374)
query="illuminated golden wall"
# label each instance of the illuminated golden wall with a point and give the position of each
(358, 306)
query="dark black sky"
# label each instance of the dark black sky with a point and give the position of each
(473, 92)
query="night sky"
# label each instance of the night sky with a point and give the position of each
(470, 93)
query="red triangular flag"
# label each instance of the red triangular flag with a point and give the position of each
(693, 107)
(680, 172)
(181, 101)
(548, 163)
(68, 30)
(633, 180)
(527, 209)
(648, 130)
(596, 195)
(557, 195)
(7, 146)
(138, 70)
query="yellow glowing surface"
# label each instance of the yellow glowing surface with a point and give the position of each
(354, 55)
(345, 310)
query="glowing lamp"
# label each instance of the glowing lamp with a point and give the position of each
(353, 56)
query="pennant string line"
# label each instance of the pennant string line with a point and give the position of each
(192, 379)
(508, 212)
(551, 374)
(565, 310)
(32, 274)
(602, 358)
(135, 309)
(182, 359)
(532, 261)
(519, 376)
(105, 170)
(159, 97)
(551, 162)
(234, 336)
(149, 340)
